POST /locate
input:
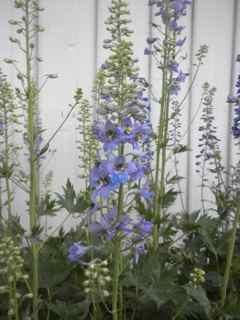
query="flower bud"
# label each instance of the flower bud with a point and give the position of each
(11, 312)
(105, 270)
(104, 263)
(92, 266)
(86, 290)
(12, 22)
(87, 273)
(3, 289)
(101, 281)
(9, 61)
(28, 296)
(108, 278)
(86, 282)
(106, 293)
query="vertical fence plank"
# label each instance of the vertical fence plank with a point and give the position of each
(214, 27)
(67, 47)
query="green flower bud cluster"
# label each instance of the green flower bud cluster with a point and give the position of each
(11, 261)
(10, 127)
(120, 68)
(11, 269)
(197, 277)
(97, 279)
(87, 145)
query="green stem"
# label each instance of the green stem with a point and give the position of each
(117, 301)
(116, 274)
(161, 147)
(31, 127)
(7, 164)
(1, 202)
(15, 301)
(180, 311)
(230, 254)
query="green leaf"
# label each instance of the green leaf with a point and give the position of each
(174, 179)
(48, 206)
(181, 148)
(199, 295)
(70, 311)
(72, 202)
(143, 209)
(67, 200)
(168, 198)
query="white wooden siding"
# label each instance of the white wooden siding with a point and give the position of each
(71, 46)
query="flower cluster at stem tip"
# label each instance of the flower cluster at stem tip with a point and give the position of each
(124, 132)
(97, 277)
(170, 12)
(235, 99)
(197, 277)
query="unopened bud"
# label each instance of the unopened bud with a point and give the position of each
(86, 290)
(106, 293)
(105, 270)
(86, 282)
(3, 289)
(11, 312)
(9, 61)
(108, 278)
(28, 296)
(104, 263)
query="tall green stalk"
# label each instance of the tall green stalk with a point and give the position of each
(230, 254)
(117, 301)
(27, 30)
(120, 60)
(166, 48)
(161, 144)
(31, 100)
(1, 201)
(7, 161)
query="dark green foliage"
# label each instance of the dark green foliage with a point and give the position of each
(66, 311)
(72, 202)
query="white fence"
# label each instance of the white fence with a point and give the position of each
(71, 47)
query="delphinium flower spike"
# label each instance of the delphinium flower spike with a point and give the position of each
(209, 157)
(235, 100)
(165, 47)
(123, 160)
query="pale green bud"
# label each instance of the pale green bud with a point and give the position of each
(108, 278)
(87, 290)
(87, 273)
(104, 263)
(28, 296)
(106, 293)
(3, 289)
(101, 281)
(86, 282)
(105, 270)
(11, 312)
